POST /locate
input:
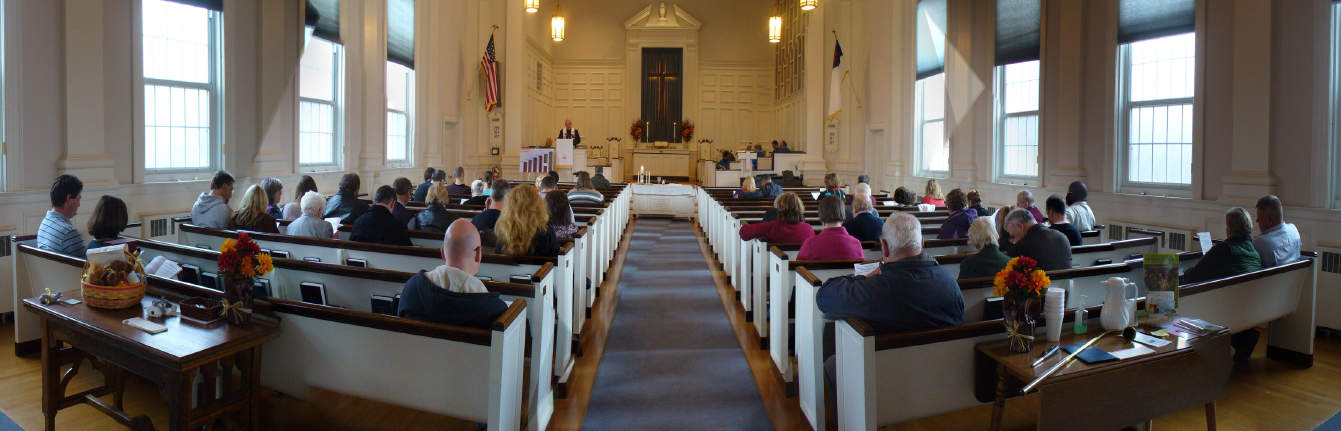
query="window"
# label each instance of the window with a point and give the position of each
(399, 112)
(181, 87)
(1017, 119)
(1156, 125)
(320, 82)
(929, 127)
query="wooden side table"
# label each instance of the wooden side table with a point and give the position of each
(1185, 373)
(225, 359)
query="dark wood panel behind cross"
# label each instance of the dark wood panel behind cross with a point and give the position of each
(662, 92)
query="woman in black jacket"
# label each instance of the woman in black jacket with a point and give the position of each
(435, 217)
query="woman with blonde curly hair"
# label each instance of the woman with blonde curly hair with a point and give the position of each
(252, 214)
(523, 227)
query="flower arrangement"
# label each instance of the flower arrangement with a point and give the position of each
(1019, 284)
(240, 261)
(687, 130)
(636, 130)
(1021, 279)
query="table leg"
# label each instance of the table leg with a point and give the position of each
(1210, 416)
(254, 388)
(1000, 405)
(179, 400)
(50, 399)
(1150, 425)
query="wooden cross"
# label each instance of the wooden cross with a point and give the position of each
(661, 75)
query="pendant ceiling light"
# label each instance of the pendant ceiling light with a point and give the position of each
(774, 29)
(809, 4)
(556, 25)
(532, 6)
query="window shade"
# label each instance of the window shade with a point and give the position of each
(214, 5)
(930, 37)
(400, 32)
(1017, 24)
(1148, 19)
(324, 18)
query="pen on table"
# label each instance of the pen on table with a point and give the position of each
(1045, 356)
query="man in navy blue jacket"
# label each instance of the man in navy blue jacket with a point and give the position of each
(865, 224)
(908, 292)
(450, 293)
(767, 189)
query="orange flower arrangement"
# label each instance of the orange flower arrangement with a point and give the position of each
(243, 258)
(1021, 279)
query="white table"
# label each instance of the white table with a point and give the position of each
(663, 199)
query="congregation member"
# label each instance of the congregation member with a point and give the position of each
(768, 189)
(904, 197)
(975, 202)
(831, 187)
(783, 148)
(599, 180)
(377, 225)
(403, 188)
(211, 208)
(560, 216)
(1278, 243)
(961, 216)
(1233, 256)
(274, 190)
(458, 186)
(1057, 220)
(487, 219)
(57, 233)
(584, 191)
(1048, 247)
(747, 190)
(310, 223)
(523, 227)
(488, 178)
(346, 205)
(833, 242)
(725, 162)
(789, 227)
(988, 260)
(909, 291)
(865, 224)
(1003, 237)
(421, 190)
(1078, 210)
(861, 189)
(1025, 200)
(933, 194)
(293, 210)
(251, 215)
(434, 217)
(479, 193)
(108, 220)
(774, 145)
(547, 184)
(451, 294)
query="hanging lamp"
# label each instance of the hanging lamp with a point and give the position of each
(774, 29)
(556, 24)
(809, 4)
(532, 6)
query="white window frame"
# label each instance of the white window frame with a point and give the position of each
(4, 107)
(216, 91)
(920, 122)
(1123, 126)
(999, 117)
(408, 161)
(1336, 105)
(337, 112)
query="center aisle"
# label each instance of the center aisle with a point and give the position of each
(671, 360)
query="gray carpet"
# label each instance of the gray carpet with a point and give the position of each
(671, 360)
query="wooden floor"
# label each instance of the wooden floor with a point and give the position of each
(1264, 394)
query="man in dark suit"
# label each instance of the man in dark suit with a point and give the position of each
(568, 132)
(377, 225)
(1049, 247)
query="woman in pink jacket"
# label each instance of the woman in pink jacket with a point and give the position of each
(789, 227)
(832, 243)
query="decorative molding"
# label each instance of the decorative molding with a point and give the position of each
(662, 18)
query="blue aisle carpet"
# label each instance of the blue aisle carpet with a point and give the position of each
(1333, 424)
(7, 424)
(671, 360)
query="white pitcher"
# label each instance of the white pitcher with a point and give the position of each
(1119, 311)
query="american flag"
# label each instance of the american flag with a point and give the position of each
(489, 64)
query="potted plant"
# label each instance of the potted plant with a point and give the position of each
(1019, 284)
(686, 131)
(636, 130)
(240, 262)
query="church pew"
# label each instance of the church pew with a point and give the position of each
(877, 384)
(352, 288)
(312, 335)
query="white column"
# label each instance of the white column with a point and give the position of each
(817, 68)
(85, 144)
(1061, 153)
(280, 25)
(514, 86)
(1250, 175)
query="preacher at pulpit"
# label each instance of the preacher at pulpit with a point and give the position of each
(568, 132)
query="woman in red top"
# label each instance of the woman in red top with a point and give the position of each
(790, 226)
(934, 195)
(832, 243)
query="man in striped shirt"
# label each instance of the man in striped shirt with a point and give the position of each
(56, 232)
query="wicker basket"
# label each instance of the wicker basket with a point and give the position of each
(112, 297)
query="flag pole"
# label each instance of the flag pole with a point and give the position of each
(855, 95)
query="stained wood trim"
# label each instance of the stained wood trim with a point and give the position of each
(777, 252)
(1206, 286)
(809, 278)
(414, 251)
(395, 324)
(894, 340)
(503, 321)
(1113, 245)
(1061, 274)
(542, 272)
(50, 255)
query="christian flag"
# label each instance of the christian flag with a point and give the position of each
(489, 65)
(836, 77)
